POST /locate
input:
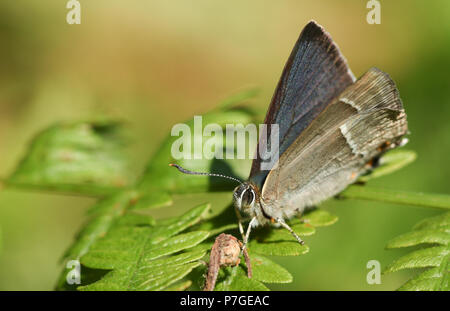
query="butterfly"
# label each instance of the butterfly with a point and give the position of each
(332, 129)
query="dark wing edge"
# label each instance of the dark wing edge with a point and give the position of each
(315, 73)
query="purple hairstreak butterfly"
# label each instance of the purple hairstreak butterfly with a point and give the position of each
(332, 129)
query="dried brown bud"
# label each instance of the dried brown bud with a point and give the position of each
(225, 251)
(230, 250)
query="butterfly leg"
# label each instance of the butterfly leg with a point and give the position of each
(247, 234)
(239, 217)
(286, 226)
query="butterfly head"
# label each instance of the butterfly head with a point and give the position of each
(245, 196)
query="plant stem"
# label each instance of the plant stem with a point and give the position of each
(441, 201)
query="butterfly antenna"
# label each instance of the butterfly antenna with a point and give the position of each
(185, 171)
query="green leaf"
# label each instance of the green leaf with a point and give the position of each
(267, 271)
(103, 215)
(181, 286)
(85, 157)
(174, 225)
(319, 218)
(431, 279)
(278, 248)
(431, 236)
(147, 257)
(427, 257)
(434, 231)
(441, 201)
(440, 221)
(153, 200)
(279, 242)
(119, 209)
(391, 162)
(235, 279)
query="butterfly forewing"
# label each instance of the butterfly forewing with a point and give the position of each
(315, 74)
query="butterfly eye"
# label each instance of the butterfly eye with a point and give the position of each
(247, 197)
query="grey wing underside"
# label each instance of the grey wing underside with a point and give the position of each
(336, 147)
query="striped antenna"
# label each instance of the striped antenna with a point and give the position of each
(185, 171)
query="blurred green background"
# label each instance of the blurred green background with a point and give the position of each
(156, 63)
